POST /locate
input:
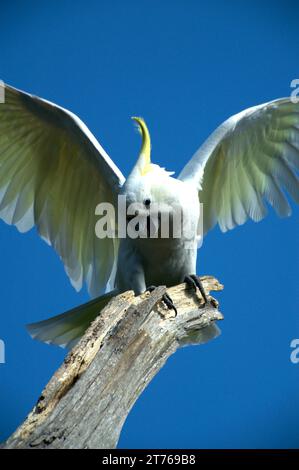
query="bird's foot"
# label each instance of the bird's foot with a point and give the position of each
(195, 283)
(166, 299)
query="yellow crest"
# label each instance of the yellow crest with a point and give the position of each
(144, 160)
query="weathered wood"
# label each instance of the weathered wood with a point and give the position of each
(86, 402)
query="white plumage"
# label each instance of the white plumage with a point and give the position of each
(53, 174)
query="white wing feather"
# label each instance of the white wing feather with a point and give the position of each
(251, 158)
(53, 173)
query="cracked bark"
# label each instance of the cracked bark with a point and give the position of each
(87, 400)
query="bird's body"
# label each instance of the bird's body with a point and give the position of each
(54, 174)
(148, 261)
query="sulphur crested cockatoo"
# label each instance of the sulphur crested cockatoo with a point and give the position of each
(54, 173)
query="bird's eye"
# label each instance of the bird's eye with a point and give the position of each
(147, 202)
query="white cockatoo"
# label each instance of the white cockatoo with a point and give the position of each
(54, 173)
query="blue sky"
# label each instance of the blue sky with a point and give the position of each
(185, 66)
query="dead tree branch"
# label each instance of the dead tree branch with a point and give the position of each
(87, 400)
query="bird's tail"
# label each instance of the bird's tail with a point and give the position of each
(202, 336)
(66, 329)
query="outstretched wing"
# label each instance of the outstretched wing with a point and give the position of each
(251, 158)
(53, 173)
